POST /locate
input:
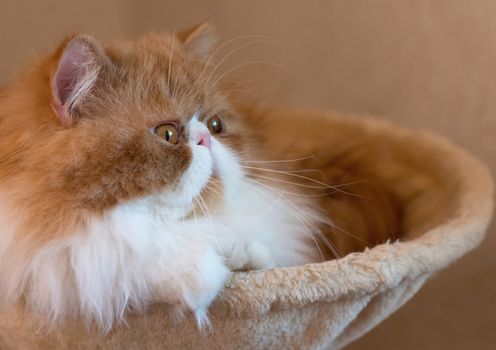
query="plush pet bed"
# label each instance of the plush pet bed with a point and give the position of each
(447, 197)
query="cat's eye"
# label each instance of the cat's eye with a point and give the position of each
(214, 124)
(167, 132)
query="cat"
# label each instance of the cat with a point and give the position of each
(121, 184)
(127, 177)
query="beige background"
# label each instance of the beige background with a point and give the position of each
(422, 63)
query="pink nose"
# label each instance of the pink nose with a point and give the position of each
(205, 139)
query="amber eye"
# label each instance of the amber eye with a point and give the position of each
(167, 132)
(214, 124)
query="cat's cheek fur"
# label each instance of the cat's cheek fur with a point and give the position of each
(178, 201)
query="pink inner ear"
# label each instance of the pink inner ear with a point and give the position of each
(73, 79)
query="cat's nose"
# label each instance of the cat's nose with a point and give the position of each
(204, 139)
(199, 133)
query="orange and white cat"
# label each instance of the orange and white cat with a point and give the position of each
(121, 183)
(127, 177)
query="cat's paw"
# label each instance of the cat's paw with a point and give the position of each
(202, 282)
(259, 256)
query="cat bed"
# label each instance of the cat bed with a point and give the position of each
(447, 197)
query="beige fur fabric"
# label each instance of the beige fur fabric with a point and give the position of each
(448, 198)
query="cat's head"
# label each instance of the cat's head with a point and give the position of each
(93, 126)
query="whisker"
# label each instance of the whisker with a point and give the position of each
(305, 221)
(321, 236)
(216, 191)
(269, 63)
(216, 183)
(255, 175)
(270, 207)
(278, 160)
(194, 214)
(74, 154)
(231, 53)
(348, 233)
(325, 222)
(323, 184)
(238, 38)
(307, 171)
(204, 208)
(169, 68)
(295, 194)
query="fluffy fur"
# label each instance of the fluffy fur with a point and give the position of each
(99, 215)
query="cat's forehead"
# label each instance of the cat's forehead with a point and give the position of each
(158, 74)
(153, 56)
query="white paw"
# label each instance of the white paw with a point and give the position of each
(202, 282)
(259, 256)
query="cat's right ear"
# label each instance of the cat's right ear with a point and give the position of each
(79, 61)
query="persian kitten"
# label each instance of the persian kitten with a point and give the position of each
(127, 177)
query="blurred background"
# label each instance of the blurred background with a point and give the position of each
(420, 63)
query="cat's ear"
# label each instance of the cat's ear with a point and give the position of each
(200, 40)
(79, 61)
